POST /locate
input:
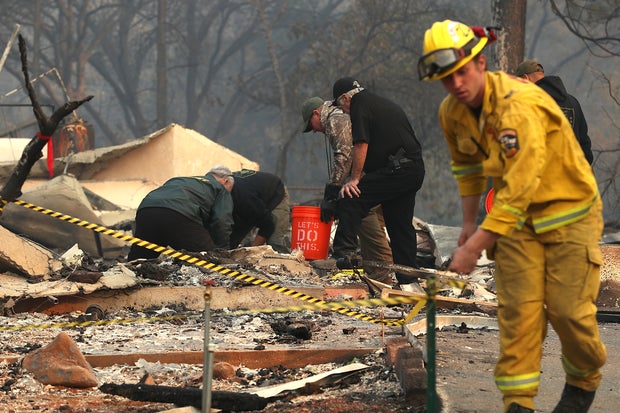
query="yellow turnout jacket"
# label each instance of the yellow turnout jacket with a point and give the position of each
(525, 143)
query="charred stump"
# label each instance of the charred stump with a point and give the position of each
(186, 396)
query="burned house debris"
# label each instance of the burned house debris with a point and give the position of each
(71, 286)
(285, 333)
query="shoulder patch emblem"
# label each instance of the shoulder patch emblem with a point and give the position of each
(509, 142)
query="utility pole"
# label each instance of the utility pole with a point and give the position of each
(510, 16)
(162, 74)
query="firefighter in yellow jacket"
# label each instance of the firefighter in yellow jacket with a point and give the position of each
(546, 221)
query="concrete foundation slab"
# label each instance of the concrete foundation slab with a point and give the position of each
(191, 297)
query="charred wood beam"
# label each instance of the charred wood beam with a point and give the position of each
(186, 396)
(47, 126)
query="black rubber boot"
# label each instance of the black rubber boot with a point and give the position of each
(349, 262)
(574, 400)
(517, 408)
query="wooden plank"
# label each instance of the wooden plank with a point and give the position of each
(289, 358)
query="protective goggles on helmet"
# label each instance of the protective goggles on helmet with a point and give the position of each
(439, 61)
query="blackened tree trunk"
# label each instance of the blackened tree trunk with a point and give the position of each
(162, 77)
(510, 16)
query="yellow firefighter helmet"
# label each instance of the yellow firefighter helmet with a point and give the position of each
(448, 45)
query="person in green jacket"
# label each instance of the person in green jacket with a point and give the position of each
(186, 213)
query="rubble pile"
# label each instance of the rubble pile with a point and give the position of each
(66, 290)
(176, 327)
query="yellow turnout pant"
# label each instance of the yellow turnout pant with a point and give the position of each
(550, 277)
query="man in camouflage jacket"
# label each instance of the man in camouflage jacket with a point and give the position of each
(323, 116)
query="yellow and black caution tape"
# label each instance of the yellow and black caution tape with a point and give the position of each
(337, 307)
(368, 302)
(443, 281)
(399, 300)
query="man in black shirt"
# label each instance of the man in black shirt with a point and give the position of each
(388, 153)
(260, 200)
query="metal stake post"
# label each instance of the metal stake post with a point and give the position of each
(207, 364)
(431, 309)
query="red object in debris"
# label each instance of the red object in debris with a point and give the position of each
(74, 137)
(308, 233)
(488, 202)
(208, 282)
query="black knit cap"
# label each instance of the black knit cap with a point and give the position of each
(343, 85)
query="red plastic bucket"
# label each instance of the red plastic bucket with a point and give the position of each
(488, 201)
(308, 233)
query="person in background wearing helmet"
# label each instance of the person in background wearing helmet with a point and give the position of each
(191, 213)
(386, 150)
(546, 221)
(260, 201)
(322, 116)
(534, 72)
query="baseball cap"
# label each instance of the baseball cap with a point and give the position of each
(343, 85)
(306, 111)
(528, 66)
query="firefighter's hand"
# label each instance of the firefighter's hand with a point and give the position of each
(463, 260)
(467, 231)
(350, 189)
(465, 257)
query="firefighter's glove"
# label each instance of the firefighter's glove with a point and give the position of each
(329, 202)
(331, 192)
(328, 210)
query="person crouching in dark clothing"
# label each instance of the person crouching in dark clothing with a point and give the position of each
(260, 201)
(186, 213)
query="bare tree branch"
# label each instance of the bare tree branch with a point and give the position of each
(585, 20)
(47, 126)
